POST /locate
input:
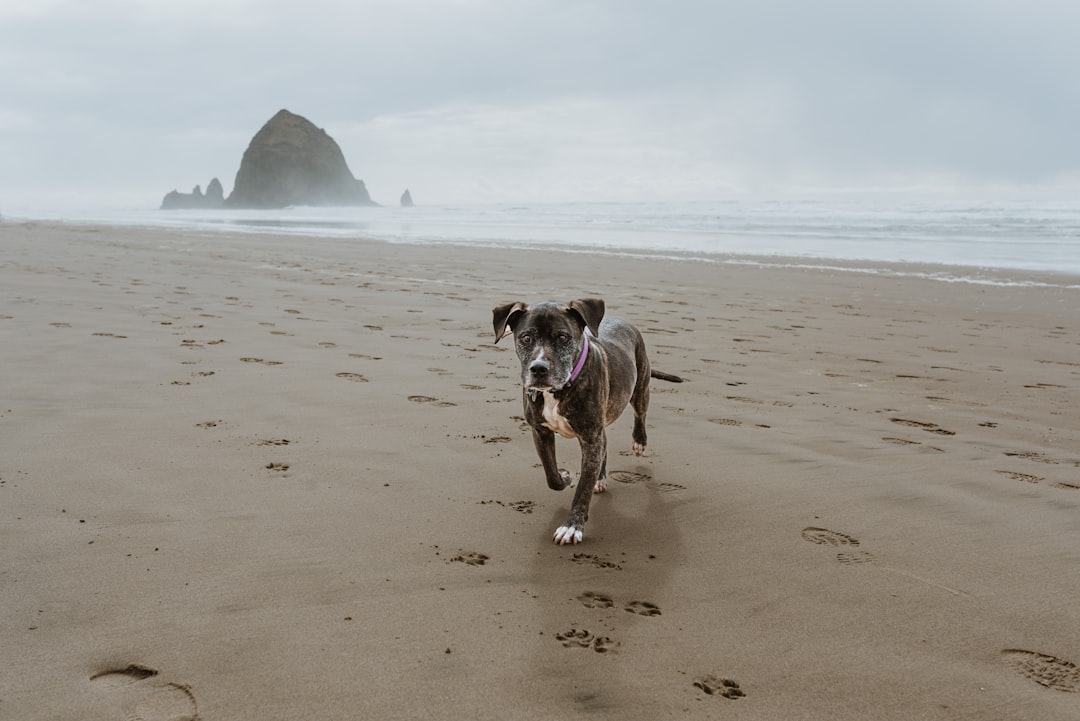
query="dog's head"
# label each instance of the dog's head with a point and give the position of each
(549, 337)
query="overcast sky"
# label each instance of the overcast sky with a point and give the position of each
(547, 100)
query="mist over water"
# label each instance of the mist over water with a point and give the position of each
(1027, 236)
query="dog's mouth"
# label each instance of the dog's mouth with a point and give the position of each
(541, 388)
(542, 385)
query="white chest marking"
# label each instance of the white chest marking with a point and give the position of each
(555, 421)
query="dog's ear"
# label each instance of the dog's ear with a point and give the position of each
(502, 314)
(591, 312)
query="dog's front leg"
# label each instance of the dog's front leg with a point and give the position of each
(544, 440)
(593, 459)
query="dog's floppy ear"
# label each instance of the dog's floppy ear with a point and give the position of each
(502, 315)
(591, 312)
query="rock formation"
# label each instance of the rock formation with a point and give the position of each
(292, 162)
(406, 199)
(215, 194)
(214, 198)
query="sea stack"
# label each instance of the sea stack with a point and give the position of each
(406, 199)
(214, 198)
(290, 161)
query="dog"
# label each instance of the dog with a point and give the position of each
(579, 371)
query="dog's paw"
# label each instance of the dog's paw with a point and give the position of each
(562, 481)
(638, 448)
(601, 485)
(568, 534)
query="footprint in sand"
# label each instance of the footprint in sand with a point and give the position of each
(847, 557)
(591, 599)
(1025, 477)
(642, 608)
(1032, 456)
(519, 506)
(591, 560)
(354, 377)
(725, 421)
(900, 441)
(260, 360)
(715, 686)
(1047, 671)
(745, 399)
(429, 399)
(825, 537)
(142, 696)
(928, 427)
(280, 467)
(131, 672)
(580, 638)
(471, 558)
(629, 477)
(907, 442)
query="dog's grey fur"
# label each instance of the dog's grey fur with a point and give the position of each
(549, 338)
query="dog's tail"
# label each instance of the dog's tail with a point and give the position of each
(661, 375)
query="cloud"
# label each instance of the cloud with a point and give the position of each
(546, 98)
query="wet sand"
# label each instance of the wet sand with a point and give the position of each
(269, 477)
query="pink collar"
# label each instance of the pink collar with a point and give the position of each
(580, 364)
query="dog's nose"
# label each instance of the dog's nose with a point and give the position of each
(539, 369)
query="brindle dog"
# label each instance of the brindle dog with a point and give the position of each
(579, 371)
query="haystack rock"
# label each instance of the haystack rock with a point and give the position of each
(214, 198)
(406, 199)
(292, 162)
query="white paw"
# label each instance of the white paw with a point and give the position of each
(638, 449)
(601, 485)
(567, 534)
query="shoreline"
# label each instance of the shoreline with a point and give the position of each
(943, 272)
(249, 476)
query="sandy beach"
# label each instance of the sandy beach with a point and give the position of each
(270, 477)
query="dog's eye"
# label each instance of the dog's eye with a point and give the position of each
(563, 338)
(525, 339)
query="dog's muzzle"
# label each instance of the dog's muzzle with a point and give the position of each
(538, 377)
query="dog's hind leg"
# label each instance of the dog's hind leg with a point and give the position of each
(640, 403)
(601, 482)
(639, 399)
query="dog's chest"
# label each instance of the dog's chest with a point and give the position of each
(555, 420)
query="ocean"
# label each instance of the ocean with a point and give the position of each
(975, 242)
